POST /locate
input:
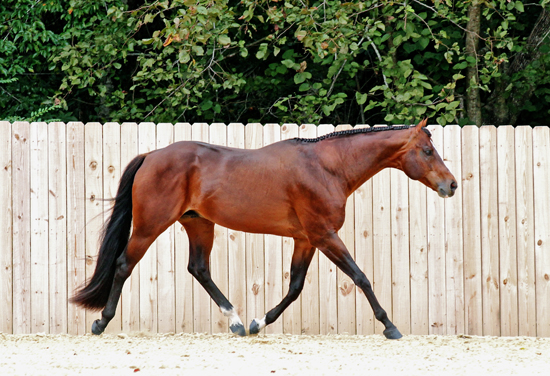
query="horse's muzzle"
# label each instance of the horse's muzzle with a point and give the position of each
(447, 188)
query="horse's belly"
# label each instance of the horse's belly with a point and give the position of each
(260, 220)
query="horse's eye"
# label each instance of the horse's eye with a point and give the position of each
(428, 152)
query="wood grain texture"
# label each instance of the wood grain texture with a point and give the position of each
(6, 228)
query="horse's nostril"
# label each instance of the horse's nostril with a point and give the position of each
(454, 185)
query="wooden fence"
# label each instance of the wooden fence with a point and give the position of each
(478, 263)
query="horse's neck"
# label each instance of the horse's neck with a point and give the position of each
(364, 155)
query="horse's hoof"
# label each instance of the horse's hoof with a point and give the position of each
(238, 329)
(254, 327)
(392, 333)
(96, 329)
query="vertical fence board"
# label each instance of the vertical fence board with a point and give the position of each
(418, 239)
(328, 282)
(436, 251)
(541, 164)
(273, 251)
(76, 224)
(255, 262)
(165, 255)
(236, 246)
(57, 164)
(148, 274)
(400, 251)
(454, 258)
(507, 231)
(6, 229)
(346, 287)
(292, 316)
(129, 301)
(525, 231)
(93, 138)
(219, 257)
(183, 279)
(39, 228)
(21, 228)
(489, 230)
(470, 192)
(310, 292)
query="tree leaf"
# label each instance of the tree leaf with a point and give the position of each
(519, 6)
(361, 98)
(224, 39)
(262, 51)
(301, 34)
(304, 87)
(300, 77)
(198, 50)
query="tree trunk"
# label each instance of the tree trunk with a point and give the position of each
(473, 100)
(500, 111)
(538, 34)
(506, 109)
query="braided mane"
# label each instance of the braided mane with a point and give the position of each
(355, 131)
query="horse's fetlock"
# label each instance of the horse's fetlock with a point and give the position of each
(107, 316)
(363, 282)
(381, 316)
(270, 318)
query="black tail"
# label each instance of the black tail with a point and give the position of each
(113, 241)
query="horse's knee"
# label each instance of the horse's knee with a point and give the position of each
(199, 271)
(362, 281)
(192, 270)
(294, 289)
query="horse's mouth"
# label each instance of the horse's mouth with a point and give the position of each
(444, 194)
(446, 190)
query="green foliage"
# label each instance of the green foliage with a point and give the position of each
(38, 115)
(262, 60)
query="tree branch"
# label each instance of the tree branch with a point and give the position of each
(336, 77)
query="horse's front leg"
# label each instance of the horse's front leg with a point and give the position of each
(333, 247)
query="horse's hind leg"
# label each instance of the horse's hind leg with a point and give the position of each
(137, 246)
(151, 217)
(301, 258)
(201, 238)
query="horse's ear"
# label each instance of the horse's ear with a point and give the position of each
(422, 124)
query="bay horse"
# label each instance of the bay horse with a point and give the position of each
(295, 188)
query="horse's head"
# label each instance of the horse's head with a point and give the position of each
(420, 161)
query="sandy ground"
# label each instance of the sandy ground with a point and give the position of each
(201, 354)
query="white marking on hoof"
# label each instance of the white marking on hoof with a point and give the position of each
(234, 319)
(260, 323)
